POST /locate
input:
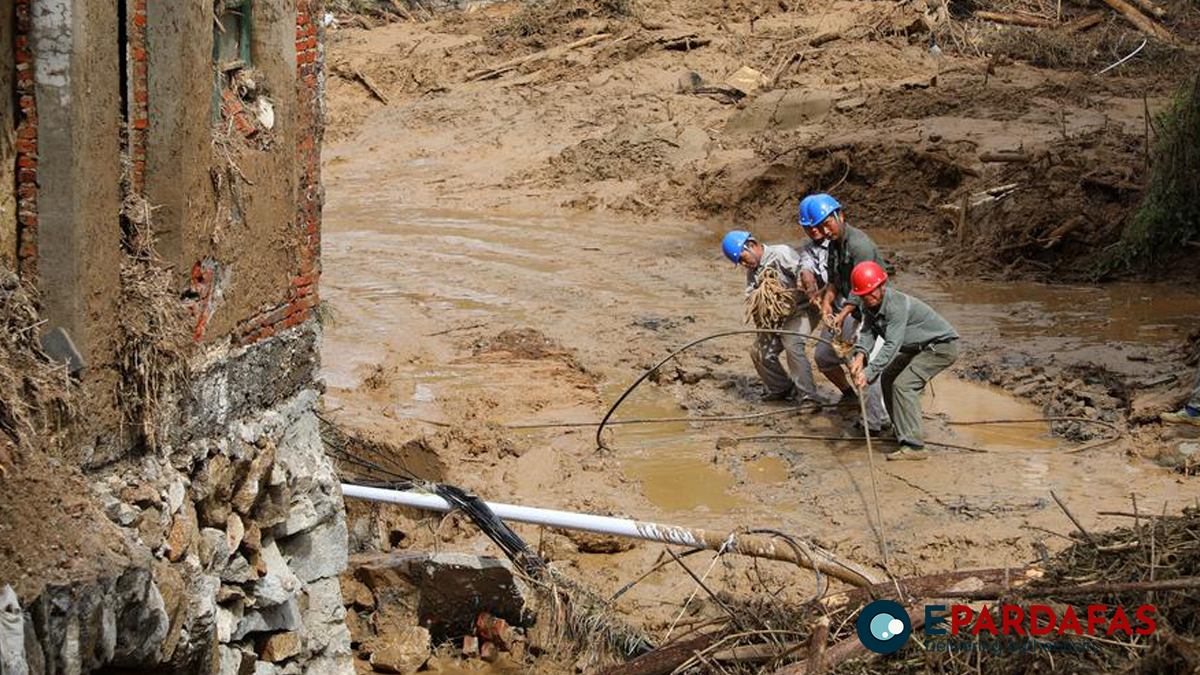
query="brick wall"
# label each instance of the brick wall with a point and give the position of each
(138, 87)
(27, 144)
(302, 297)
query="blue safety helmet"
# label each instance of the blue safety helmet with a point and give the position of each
(733, 243)
(814, 209)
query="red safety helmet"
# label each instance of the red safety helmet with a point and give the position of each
(866, 277)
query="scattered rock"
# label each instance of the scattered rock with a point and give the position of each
(234, 531)
(238, 571)
(279, 646)
(451, 588)
(254, 479)
(213, 549)
(356, 593)
(183, 531)
(285, 616)
(851, 103)
(748, 80)
(689, 82)
(404, 653)
(320, 552)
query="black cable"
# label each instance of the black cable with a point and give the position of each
(745, 331)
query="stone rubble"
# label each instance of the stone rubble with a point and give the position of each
(241, 532)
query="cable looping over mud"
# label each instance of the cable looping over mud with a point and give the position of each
(744, 331)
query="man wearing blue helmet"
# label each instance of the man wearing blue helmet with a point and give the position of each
(848, 246)
(797, 273)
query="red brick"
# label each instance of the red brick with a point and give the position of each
(139, 20)
(26, 146)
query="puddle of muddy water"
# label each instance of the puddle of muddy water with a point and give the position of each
(679, 468)
(963, 401)
(585, 282)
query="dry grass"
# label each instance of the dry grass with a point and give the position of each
(35, 393)
(150, 353)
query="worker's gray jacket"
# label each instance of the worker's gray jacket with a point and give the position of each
(853, 248)
(905, 324)
(814, 258)
(781, 258)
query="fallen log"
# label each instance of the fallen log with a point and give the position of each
(930, 586)
(496, 71)
(1015, 19)
(665, 659)
(755, 653)
(852, 648)
(349, 72)
(1005, 156)
(1141, 21)
(945, 160)
(1149, 6)
(1083, 23)
(1031, 591)
(824, 38)
(816, 646)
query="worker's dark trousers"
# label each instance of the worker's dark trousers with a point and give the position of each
(903, 382)
(1194, 401)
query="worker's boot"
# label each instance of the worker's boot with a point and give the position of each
(779, 395)
(1185, 415)
(908, 453)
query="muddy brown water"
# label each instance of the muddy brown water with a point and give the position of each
(587, 282)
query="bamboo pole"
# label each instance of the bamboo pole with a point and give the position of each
(756, 546)
(1141, 21)
(1015, 19)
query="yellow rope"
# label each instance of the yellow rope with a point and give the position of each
(770, 303)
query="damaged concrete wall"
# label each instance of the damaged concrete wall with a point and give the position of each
(226, 183)
(78, 110)
(8, 139)
(234, 520)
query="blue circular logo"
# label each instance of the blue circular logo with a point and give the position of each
(883, 626)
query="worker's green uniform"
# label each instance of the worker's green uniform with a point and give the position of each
(917, 344)
(853, 248)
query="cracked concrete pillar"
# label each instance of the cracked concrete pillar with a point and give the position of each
(77, 89)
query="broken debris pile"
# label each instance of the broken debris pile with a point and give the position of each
(1155, 561)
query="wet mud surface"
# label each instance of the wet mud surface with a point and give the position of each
(517, 251)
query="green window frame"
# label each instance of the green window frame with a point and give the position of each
(232, 35)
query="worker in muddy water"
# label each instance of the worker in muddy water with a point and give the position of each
(791, 269)
(1190, 412)
(848, 246)
(917, 345)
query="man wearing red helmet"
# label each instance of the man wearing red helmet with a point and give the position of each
(917, 345)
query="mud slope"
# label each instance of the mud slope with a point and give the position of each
(594, 106)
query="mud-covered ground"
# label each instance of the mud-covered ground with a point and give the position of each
(515, 250)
